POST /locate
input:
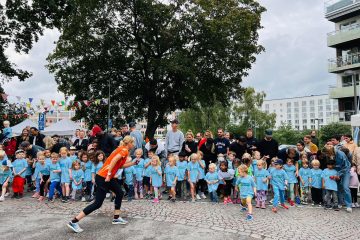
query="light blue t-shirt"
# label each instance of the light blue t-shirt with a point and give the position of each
(4, 175)
(171, 174)
(77, 175)
(74, 158)
(7, 132)
(87, 171)
(278, 177)
(119, 173)
(130, 174)
(316, 178)
(156, 179)
(305, 174)
(65, 165)
(230, 165)
(182, 166)
(270, 169)
(19, 165)
(55, 177)
(202, 170)
(194, 170)
(140, 170)
(260, 175)
(290, 171)
(48, 161)
(41, 169)
(246, 186)
(212, 177)
(146, 170)
(330, 184)
(95, 168)
(254, 166)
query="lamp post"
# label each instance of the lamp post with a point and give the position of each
(353, 75)
(109, 106)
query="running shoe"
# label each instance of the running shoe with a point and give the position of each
(75, 227)
(274, 210)
(297, 200)
(198, 197)
(349, 210)
(284, 206)
(243, 209)
(119, 221)
(203, 196)
(2, 199)
(249, 217)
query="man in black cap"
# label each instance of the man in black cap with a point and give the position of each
(174, 139)
(268, 147)
(36, 137)
(239, 146)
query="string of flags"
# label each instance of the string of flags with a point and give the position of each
(29, 106)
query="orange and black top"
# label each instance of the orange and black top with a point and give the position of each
(124, 152)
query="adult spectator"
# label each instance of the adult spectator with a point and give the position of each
(124, 131)
(301, 149)
(49, 143)
(76, 136)
(314, 139)
(310, 145)
(189, 145)
(251, 141)
(158, 149)
(343, 167)
(174, 139)
(36, 137)
(207, 134)
(25, 136)
(31, 149)
(239, 146)
(118, 137)
(221, 143)
(136, 134)
(290, 153)
(198, 138)
(107, 143)
(349, 143)
(59, 143)
(336, 142)
(268, 147)
(208, 149)
(81, 143)
(356, 160)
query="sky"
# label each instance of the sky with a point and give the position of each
(295, 57)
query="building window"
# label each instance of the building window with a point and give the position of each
(289, 116)
(304, 121)
(312, 102)
(303, 109)
(312, 109)
(328, 114)
(304, 127)
(288, 104)
(288, 110)
(303, 103)
(297, 127)
(347, 81)
(328, 107)
(266, 106)
(320, 108)
(312, 120)
(296, 116)
(304, 115)
(321, 114)
(320, 102)
(296, 104)
(296, 121)
(312, 126)
(296, 110)
(312, 115)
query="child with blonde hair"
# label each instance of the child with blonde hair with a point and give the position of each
(201, 185)
(65, 164)
(5, 177)
(247, 188)
(316, 183)
(77, 181)
(212, 179)
(305, 176)
(146, 174)
(193, 169)
(7, 131)
(156, 176)
(139, 168)
(55, 177)
(171, 175)
(19, 167)
(261, 179)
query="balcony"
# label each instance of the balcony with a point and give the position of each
(336, 10)
(341, 92)
(344, 37)
(341, 64)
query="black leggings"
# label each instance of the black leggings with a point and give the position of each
(201, 185)
(103, 188)
(354, 195)
(42, 185)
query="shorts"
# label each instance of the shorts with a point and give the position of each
(244, 198)
(146, 181)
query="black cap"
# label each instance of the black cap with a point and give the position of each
(242, 139)
(182, 154)
(153, 142)
(132, 124)
(175, 121)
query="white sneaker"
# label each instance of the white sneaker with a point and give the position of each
(202, 195)
(349, 210)
(83, 199)
(47, 195)
(198, 197)
(7, 194)
(108, 195)
(357, 205)
(339, 206)
(2, 198)
(353, 205)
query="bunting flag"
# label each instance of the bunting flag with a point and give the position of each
(4, 96)
(42, 101)
(63, 103)
(53, 102)
(18, 98)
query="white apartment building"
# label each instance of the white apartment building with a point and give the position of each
(307, 112)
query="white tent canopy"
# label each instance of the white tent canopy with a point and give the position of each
(355, 120)
(17, 129)
(64, 127)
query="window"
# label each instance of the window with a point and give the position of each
(296, 104)
(304, 127)
(312, 126)
(289, 116)
(296, 121)
(288, 104)
(297, 127)
(303, 103)
(347, 25)
(328, 114)
(312, 109)
(303, 109)
(320, 108)
(328, 107)
(312, 120)
(304, 115)
(312, 103)
(320, 102)
(266, 106)
(288, 110)
(289, 122)
(296, 116)
(296, 110)
(321, 114)
(304, 121)
(347, 81)
(312, 115)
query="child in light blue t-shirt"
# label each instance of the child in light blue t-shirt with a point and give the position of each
(305, 176)
(212, 179)
(87, 183)
(247, 188)
(5, 177)
(181, 164)
(55, 176)
(19, 167)
(77, 180)
(329, 177)
(156, 177)
(146, 175)
(130, 177)
(201, 185)
(279, 182)
(261, 178)
(193, 169)
(171, 176)
(139, 174)
(290, 170)
(316, 183)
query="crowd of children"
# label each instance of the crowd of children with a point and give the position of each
(70, 176)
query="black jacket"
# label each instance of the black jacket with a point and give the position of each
(107, 143)
(208, 149)
(39, 140)
(270, 148)
(193, 147)
(83, 146)
(238, 149)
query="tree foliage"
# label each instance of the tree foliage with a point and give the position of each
(333, 129)
(158, 56)
(285, 134)
(21, 24)
(11, 112)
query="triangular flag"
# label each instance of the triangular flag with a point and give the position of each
(28, 105)
(87, 103)
(42, 101)
(18, 98)
(53, 102)
(51, 112)
(30, 100)
(63, 103)
(4, 96)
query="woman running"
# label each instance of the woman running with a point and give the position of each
(105, 181)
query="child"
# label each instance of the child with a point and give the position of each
(29, 172)
(97, 163)
(290, 170)
(316, 183)
(236, 196)
(19, 170)
(41, 175)
(55, 176)
(171, 176)
(247, 188)
(255, 158)
(220, 158)
(47, 154)
(226, 177)
(5, 177)
(212, 179)
(247, 160)
(305, 176)
(231, 157)
(201, 185)
(329, 177)
(130, 175)
(139, 174)
(146, 178)
(65, 164)
(87, 183)
(77, 180)
(181, 182)
(261, 178)
(353, 185)
(7, 131)
(279, 182)
(193, 169)
(155, 176)
(72, 154)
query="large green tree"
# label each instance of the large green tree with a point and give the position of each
(333, 129)
(157, 55)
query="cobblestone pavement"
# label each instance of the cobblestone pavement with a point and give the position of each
(305, 222)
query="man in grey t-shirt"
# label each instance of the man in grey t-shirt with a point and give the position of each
(174, 139)
(136, 134)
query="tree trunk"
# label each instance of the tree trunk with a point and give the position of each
(151, 123)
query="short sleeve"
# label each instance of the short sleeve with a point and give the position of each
(253, 183)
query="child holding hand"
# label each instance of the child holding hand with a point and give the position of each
(212, 179)
(261, 179)
(155, 176)
(247, 188)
